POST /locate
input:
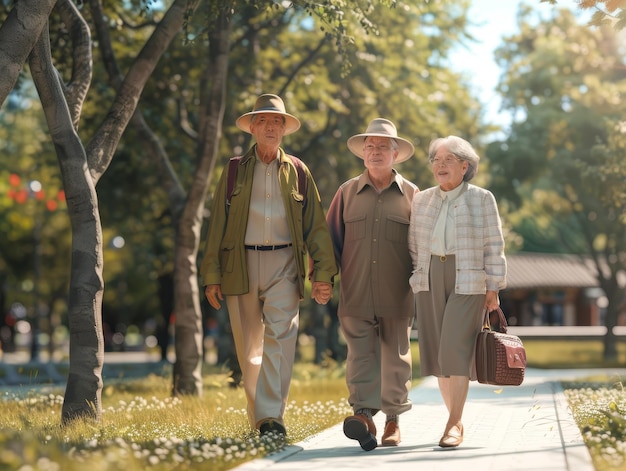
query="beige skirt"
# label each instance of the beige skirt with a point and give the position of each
(447, 323)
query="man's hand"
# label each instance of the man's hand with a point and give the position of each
(322, 292)
(213, 293)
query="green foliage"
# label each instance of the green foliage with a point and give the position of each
(560, 171)
(35, 242)
(338, 65)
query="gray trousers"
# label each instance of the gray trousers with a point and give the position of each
(447, 324)
(379, 364)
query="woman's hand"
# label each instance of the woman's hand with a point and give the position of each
(492, 301)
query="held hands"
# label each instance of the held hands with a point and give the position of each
(322, 292)
(213, 293)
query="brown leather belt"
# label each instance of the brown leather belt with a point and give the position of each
(267, 247)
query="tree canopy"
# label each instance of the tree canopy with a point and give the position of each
(150, 109)
(559, 170)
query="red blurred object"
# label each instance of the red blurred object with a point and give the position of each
(21, 196)
(14, 179)
(51, 205)
(40, 195)
(61, 195)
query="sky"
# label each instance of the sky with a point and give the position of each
(493, 19)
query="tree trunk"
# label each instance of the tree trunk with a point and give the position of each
(610, 340)
(189, 332)
(608, 274)
(81, 170)
(84, 385)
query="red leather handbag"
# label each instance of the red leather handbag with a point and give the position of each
(500, 357)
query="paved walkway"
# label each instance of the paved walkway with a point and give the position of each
(527, 427)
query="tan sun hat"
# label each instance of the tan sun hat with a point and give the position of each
(268, 103)
(381, 127)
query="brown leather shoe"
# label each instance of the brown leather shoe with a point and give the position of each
(391, 437)
(453, 437)
(360, 427)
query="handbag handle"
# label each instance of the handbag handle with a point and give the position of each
(487, 323)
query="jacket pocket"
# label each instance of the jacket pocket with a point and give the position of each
(227, 259)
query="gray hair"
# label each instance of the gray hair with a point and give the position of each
(461, 149)
(254, 117)
(393, 143)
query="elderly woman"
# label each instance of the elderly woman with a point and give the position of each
(457, 247)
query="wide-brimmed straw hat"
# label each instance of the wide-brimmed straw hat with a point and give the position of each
(381, 127)
(268, 103)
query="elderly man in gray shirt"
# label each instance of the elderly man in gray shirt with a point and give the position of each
(369, 223)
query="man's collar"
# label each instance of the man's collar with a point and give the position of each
(252, 154)
(366, 181)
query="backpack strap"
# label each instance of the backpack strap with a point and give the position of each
(302, 180)
(232, 174)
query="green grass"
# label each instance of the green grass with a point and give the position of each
(144, 428)
(557, 354)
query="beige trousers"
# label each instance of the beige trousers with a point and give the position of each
(265, 329)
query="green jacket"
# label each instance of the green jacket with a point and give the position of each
(224, 260)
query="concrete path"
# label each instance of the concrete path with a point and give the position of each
(527, 427)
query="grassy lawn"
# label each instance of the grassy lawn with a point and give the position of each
(571, 354)
(144, 428)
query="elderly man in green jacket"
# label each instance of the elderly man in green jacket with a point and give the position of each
(266, 215)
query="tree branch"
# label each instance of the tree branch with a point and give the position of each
(100, 150)
(82, 61)
(103, 145)
(18, 35)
